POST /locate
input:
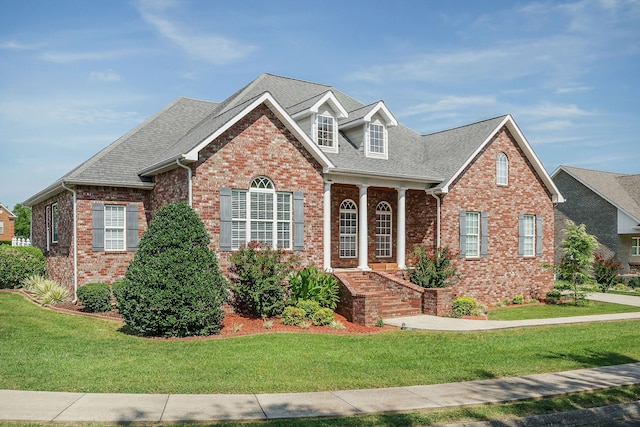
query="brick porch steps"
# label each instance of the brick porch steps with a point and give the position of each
(381, 296)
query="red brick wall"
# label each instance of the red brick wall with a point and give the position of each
(501, 275)
(170, 187)
(259, 145)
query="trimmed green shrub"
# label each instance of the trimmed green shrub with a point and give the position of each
(309, 307)
(518, 299)
(258, 279)
(433, 269)
(173, 286)
(553, 296)
(293, 316)
(95, 297)
(634, 283)
(315, 285)
(323, 316)
(464, 306)
(19, 262)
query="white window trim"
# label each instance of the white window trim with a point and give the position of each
(274, 220)
(635, 245)
(327, 148)
(1, 226)
(529, 237)
(123, 228)
(477, 235)
(350, 235)
(502, 165)
(54, 223)
(367, 141)
(389, 236)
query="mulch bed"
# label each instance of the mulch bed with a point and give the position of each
(235, 325)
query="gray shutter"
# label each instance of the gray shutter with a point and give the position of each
(463, 234)
(225, 219)
(132, 227)
(520, 235)
(97, 227)
(538, 235)
(298, 221)
(484, 230)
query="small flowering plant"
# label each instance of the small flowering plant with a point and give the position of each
(433, 268)
(259, 278)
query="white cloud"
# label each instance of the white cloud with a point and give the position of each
(69, 57)
(572, 89)
(555, 110)
(91, 116)
(449, 103)
(212, 48)
(14, 45)
(105, 76)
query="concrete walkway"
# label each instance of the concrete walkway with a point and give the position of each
(434, 323)
(38, 406)
(41, 406)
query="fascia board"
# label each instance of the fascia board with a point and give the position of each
(277, 109)
(381, 107)
(330, 98)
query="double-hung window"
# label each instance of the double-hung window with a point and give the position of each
(114, 228)
(473, 234)
(1, 227)
(325, 136)
(383, 230)
(260, 214)
(348, 229)
(529, 235)
(376, 140)
(635, 246)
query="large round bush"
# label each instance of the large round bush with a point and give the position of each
(19, 262)
(173, 286)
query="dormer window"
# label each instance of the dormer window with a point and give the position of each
(376, 140)
(325, 131)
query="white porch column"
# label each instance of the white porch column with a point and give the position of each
(326, 218)
(401, 239)
(363, 248)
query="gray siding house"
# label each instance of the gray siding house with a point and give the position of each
(608, 204)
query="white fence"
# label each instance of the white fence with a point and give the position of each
(20, 241)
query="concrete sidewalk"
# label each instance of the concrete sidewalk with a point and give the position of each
(434, 323)
(37, 406)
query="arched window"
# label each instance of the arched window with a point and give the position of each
(262, 214)
(348, 229)
(383, 230)
(502, 169)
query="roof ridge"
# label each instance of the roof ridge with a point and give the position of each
(597, 171)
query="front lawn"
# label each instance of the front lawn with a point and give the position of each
(543, 311)
(45, 350)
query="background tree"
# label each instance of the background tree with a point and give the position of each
(173, 286)
(577, 262)
(22, 223)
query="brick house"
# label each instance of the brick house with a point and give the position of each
(305, 167)
(608, 204)
(7, 219)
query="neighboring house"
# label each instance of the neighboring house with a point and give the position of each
(305, 167)
(608, 204)
(7, 219)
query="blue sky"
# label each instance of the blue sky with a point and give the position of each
(76, 75)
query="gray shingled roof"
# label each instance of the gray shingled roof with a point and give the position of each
(185, 123)
(623, 190)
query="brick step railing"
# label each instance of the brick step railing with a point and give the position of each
(367, 297)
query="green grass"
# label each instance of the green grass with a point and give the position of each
(543, 311)
(45, 350)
